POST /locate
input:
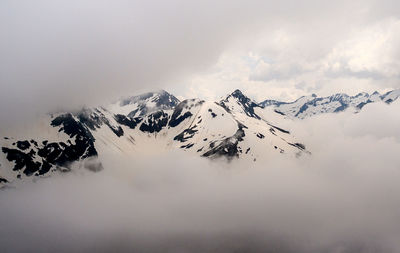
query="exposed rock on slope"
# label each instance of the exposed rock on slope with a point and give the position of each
(312, 105)
(229, 128)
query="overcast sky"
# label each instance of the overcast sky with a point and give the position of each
(63, 54)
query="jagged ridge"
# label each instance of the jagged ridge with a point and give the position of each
(312, 105)
(229, 128)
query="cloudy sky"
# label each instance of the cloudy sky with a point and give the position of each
(62, 54)
(58, 54)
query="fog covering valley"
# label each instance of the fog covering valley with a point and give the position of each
(342, 198)
(323, 171)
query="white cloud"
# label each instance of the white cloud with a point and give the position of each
(361, 58)
(371, 53)
(65, 54)
(343, 198)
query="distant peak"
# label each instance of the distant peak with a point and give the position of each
(314, 95)
(338, 95)
(364, 94)
(159, 96)
(237, 93)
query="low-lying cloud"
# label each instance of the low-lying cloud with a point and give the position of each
(343, 198)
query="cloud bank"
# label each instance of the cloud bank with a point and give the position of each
(343, 198)
(65, 54)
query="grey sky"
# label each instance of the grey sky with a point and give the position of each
(63, 54)
(60, 54)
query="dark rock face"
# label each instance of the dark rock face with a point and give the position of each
(70, 126)
(39, 159)
(229, 146)
(187, 146)
(176, 120)
(281, 113)
(162, 99)
(246, 103)
(302, 109)
(362, 104)
(166, 100)
(394, 93)
(299, 146)
(118, 131)
(190, 132)
(154, 122)
(23, 145)
(90, 119)
(22, 160)
(213, 114)
(84, 140)
(341, 108)
(177, 116)
(139, 112)
(94, 119)
(31, 158)
(129, 122)
(279, 129)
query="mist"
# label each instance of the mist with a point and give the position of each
(62, 55)
(342, 198)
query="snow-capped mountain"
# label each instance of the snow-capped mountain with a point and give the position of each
(138, 106)
(308, 106)
(233, 128)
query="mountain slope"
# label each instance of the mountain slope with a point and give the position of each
(312, 105)
(137, 106)
(153, 121)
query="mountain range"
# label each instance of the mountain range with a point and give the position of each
(308, 106)
(233, 127)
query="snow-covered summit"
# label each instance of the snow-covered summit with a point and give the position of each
(143, 104)
(313, 105)
(229, 128)
(237, 102)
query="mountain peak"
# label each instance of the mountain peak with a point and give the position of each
(155, 96)
(140, 105)
(308, 106)
(237, 93)
(362, 94)
(240, 97)
(245, 104)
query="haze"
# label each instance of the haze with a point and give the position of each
(58, 55)
(63, 55)
(343, 198)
